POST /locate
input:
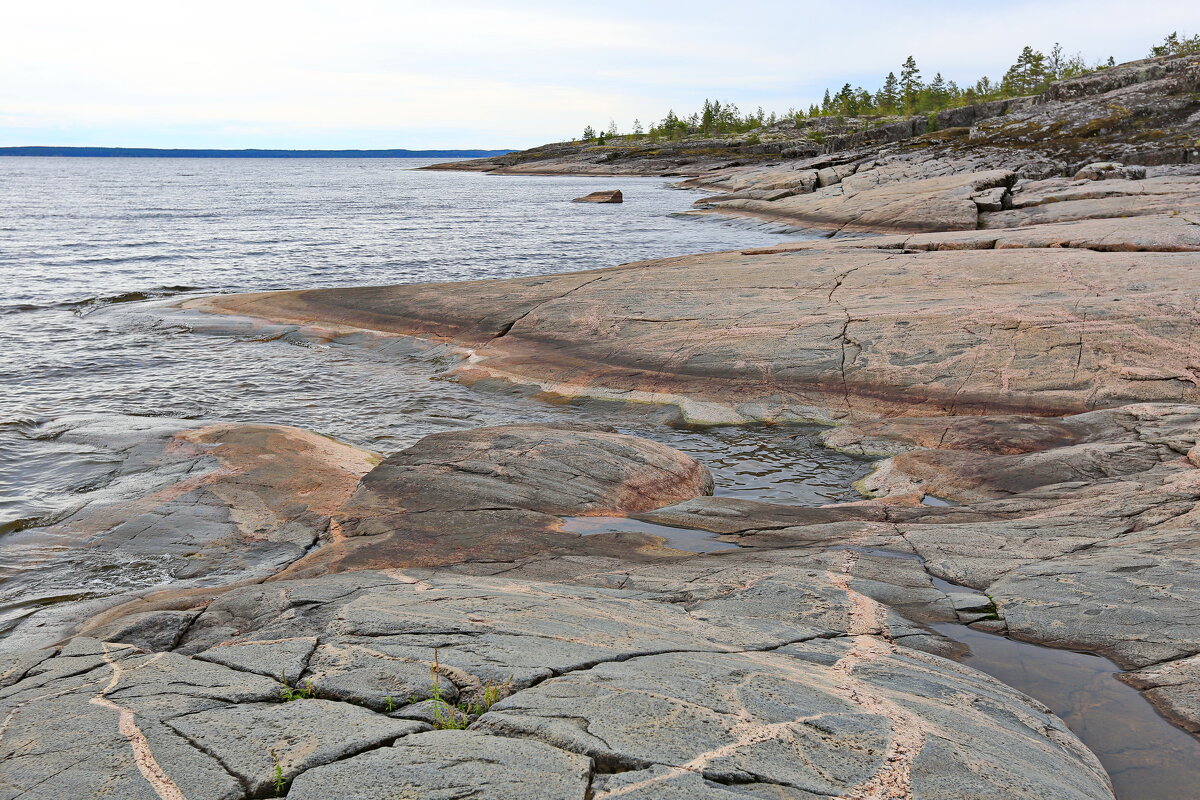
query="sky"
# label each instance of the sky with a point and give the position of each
(400, 74)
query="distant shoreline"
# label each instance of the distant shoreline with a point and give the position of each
(154, 152)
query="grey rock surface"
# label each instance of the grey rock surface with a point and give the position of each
(449, 765)
(777, 671)
(262, 742)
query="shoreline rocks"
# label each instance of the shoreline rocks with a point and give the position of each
(1022, 350)
(806, 331)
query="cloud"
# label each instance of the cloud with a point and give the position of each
(485, 74)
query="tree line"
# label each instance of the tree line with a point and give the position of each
(905, 94)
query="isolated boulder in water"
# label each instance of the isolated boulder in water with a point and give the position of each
(613, 196)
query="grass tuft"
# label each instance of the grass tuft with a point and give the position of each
(288, 692)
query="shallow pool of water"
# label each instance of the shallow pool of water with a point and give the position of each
(1146, 756)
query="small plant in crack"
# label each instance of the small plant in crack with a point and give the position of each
(389, 704)
(493, 692)
(278, 781)
(457, 716)
(445, 716)
(289, 692)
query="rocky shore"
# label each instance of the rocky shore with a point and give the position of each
(1010, 331)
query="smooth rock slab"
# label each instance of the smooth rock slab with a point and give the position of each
(285, 659)
(502, 490)
(943, 203)
(544, 468)
(775, 334)
(451, 765)
(1174, 687)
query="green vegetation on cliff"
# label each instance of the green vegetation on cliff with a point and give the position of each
(906, 95)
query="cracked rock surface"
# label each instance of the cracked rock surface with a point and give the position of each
(715, 681)
(1019, 347)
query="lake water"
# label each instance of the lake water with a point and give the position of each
(80, 238)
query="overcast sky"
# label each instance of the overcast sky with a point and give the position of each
(376, 73)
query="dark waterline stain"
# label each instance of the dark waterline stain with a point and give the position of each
(692, 541)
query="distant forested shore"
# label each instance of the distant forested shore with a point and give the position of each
(154, 152)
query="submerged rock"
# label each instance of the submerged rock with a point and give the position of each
(189, 504)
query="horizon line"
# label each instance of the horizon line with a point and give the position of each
(76, 151)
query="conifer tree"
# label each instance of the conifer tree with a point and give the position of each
(938, 92)
(888, 96)
(845, 102)
(910, 84)
(589, 133)
(1026, 76)
(1055, 63)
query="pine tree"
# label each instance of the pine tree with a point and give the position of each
(1026, 76)
(845, 102)
(866, 103)
(637, 127)
(589, 133)
(910, 84)
(827, 103)
(938, 93)
(612, 127)
(888, 96)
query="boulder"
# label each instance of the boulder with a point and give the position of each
(611, 196)
(503, 490)
(1109, 170)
